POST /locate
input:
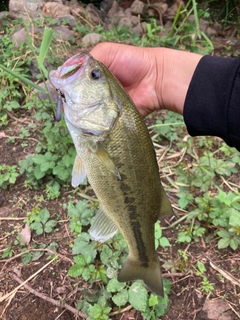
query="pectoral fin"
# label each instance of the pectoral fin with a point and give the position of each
(78, 172)
(105, 159)
(166, 208)
(103, 228)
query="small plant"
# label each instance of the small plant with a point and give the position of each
(8, 175)
(39, 221)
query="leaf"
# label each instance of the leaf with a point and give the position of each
(114, 285)
(26, 234)
(83, 245)
(49, 226)
(234, 219)
(75, 270)
(38, 173)
(121, 298)
(234, 242)
(164, 242)
(223, 243)
(138, 296)
(26, 258)
(44, 215)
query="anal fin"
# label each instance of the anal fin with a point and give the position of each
(78, 172)
(103, 228)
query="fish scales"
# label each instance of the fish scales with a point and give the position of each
(120, 164)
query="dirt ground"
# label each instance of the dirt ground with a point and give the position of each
(38, 298)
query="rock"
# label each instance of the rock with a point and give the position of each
(18, 37)
(106, 5)
(128, 13)
(69, 20)
(137, 7)
(135, 21)
(93, 14)
(203, 24)
(113, 10)
(138, 30)
(125, 22)
(218, 27)
(215, 310)
(25, 8)
(76, 9)
(211, 32)
(55, 9)
(92, 38)
(62, 33)
(21, 35)
(171, 12)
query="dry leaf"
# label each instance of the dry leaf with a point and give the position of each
(2, 134)
(26, 234)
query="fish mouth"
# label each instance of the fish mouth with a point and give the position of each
(72, 69)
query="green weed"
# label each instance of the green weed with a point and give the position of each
(8, 175)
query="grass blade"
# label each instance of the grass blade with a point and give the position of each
(45, 44)
(23, 79)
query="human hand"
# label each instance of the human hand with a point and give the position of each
(136, 69)
(155, 78)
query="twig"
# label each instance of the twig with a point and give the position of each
(48, 299)
(15, 137)
(7, 304)
(173, 274)
(6, 296)
(225, 274)
(120, 311)
(12, 218)
(35, 250)
(234, 310)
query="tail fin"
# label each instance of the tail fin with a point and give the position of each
(150, 274)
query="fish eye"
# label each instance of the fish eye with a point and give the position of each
(96, 74)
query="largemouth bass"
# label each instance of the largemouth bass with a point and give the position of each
(116, 153)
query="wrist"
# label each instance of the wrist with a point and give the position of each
(175, 70)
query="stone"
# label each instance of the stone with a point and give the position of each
(137, 7)
(171, 12)
(62, 33)
(55, 9)
(113, 10)
(128, 13)
(211, 33)
(135, 20)
(106, 5)
(138, 30)
(68, 19)
(18, 37)
(25, 8)
(218, 27)
(215, 309)
(125, 22)
(21, 35)
(93, 14)
(92, 38)
(203, 25)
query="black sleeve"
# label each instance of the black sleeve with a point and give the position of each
(212, 105)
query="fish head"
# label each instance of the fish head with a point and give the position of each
(84, 86)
